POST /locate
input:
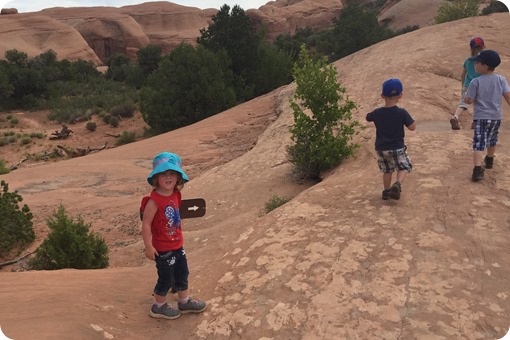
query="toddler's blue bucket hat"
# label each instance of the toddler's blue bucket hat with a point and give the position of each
(166, 161)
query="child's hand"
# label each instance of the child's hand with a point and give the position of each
(151, 252)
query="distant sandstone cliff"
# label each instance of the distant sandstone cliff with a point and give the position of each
(97, 33)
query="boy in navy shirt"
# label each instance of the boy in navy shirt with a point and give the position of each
(391, 151)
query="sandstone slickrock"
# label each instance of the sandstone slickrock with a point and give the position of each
(104, 31)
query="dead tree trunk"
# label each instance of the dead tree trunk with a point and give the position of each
(62, 134)
(81, 151)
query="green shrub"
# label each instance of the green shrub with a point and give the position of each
(38, 135)
(64, 115)
(114, 121)
(70, 245)
(3, 169)
(11, 139)
(13, 121)
(125, 137)
(126, 110)
(16, 227)
(106, 118)
(3, 141)
(94, 111)
(275, 202)
(25, 140)
(456, 9)
(321, 135)
(91, 126)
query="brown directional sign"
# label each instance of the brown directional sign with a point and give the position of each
(192, 208)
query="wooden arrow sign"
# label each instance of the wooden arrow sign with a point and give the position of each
(192, 208)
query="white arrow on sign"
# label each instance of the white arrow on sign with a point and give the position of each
(191, 208)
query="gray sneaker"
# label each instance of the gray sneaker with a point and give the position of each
(386, 194)
(395, 191)
(164, 312)
(192, 306)
(477, 173)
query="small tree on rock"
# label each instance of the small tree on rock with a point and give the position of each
(70, 245)
(451, 10)
(16, 227)
(321, 139)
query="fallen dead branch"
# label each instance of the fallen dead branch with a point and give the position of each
(3, 264)
(81, 151)
(15, 166)
(62, 134)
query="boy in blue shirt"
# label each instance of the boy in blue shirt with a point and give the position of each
(391, 151)
(485, 93)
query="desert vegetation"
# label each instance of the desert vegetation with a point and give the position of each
(69, 244)
(16, 227)
(275, 202)
(231, 63)
(323, 125)
(452, 10)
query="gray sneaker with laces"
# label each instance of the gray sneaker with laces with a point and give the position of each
(395, 191)
(192, 306)
(164, 312)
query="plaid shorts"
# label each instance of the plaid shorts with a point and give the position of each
(391, 160)
(485, 133)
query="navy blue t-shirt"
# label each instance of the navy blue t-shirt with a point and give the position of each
(389, 125)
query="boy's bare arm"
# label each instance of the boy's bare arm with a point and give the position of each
(412, 127)
(507, 97)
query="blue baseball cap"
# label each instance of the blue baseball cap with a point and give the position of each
(487, 57)
(392, 87)
(166, 161)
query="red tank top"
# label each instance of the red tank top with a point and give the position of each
(166, 225)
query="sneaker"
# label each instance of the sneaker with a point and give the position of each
(455, 123)
(164, 312)
(395, 191)
(192, 306)
(477, 173)
(489, 162)
(386, 194)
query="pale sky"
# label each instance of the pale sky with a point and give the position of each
(36, 5)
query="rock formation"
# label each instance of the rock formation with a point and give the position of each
(35, 34)
(8, 11)
(284, 16)
(97, 33)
